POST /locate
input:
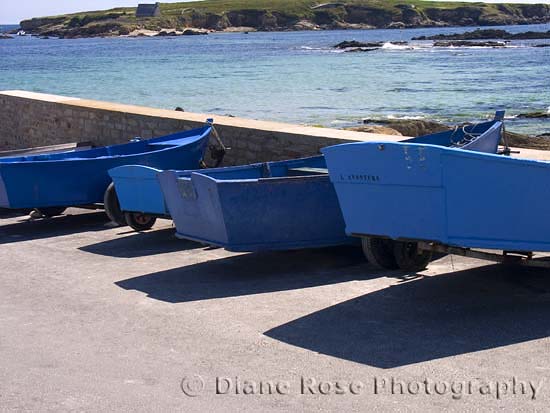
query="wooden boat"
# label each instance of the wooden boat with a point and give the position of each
(52, 182)
(394, 193)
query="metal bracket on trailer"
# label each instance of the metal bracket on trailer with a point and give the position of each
(507, 257)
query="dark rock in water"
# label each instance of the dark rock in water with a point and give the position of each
(542, 45)
(383, 130)
(355, 46)
(475, 35)
(410, 127)
(518, 140)
(5, 37)
(347, 44)
(466, 43)
(534, 115)
(480, 34)
(360, 49)
(530, 36)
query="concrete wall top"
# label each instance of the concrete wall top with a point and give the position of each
(34, 119)
(266, 126)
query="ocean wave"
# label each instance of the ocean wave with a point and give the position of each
(405, 117)
(393, 46)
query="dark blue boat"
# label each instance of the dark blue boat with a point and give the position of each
(392, 193)
(74, 178)
(265, 206)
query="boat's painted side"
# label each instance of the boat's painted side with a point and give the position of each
(81, 177)
(267, 206)
(455, 197)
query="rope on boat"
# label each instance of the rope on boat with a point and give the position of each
(468, 136)
(216, 152)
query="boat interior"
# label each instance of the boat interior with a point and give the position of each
(282, 169)
(131, 148)
(457, 137)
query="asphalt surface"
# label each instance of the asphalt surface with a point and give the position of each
(96, 318)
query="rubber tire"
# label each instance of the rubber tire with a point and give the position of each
(408, 257)
(132, 219)
(49, 212)
(379, 252)
(112, 206)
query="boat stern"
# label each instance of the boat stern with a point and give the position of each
(138, 189)
(193, 203)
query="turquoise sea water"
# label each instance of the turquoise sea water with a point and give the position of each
(291, 76)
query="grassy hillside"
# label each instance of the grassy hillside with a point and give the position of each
(290, 15)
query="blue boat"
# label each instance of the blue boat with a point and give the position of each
(394, 194)
(52, 182)
(266, 206)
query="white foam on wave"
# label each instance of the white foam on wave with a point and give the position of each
(393, 117)
(392, 46)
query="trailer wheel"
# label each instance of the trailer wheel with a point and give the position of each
(409, 257)
(379, 252)
(112, 206)
(50, 211)
(139, 222)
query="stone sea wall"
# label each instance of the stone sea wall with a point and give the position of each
(32, 119)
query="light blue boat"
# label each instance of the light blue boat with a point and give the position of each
(395, 194)
(52, 182)
(139, 194)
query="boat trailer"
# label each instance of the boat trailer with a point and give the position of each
(525, 258)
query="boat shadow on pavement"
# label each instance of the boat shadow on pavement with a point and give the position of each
(429, 318)
(141, 244)
(253, 273)
(25, 229)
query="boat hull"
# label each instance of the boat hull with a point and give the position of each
(242, 209)
(454, 197)
(79, 178)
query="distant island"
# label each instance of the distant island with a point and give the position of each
(200, 17)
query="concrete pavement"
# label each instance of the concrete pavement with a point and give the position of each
(95, 318)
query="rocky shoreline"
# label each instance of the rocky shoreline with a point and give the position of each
(284, 16)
